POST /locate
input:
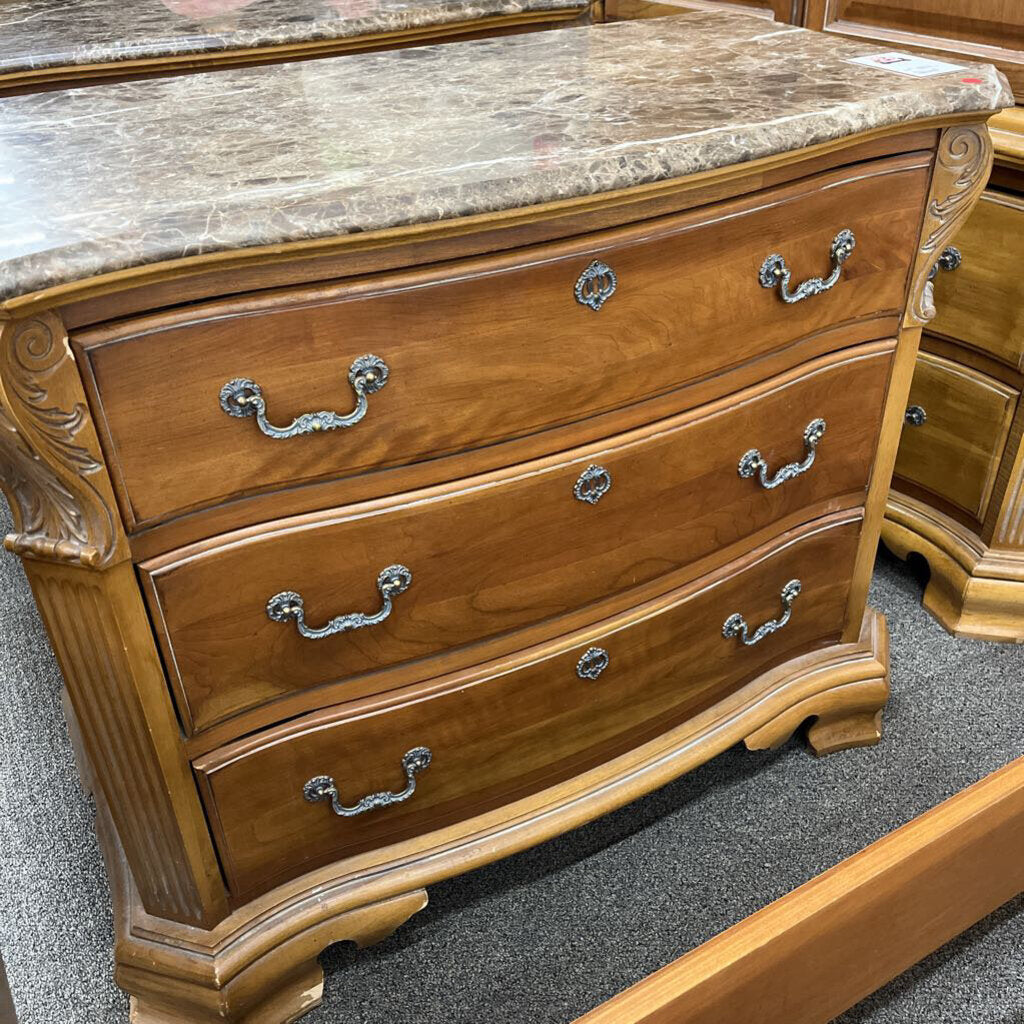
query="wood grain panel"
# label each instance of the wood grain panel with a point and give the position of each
(512, 733)
(825, 946)
(982, 302)
(494, 554)
(978, 30)
(480, 352)
(103, 642)
(956, 453)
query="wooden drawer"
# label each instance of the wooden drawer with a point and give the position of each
(982, 302)
(506, 730)
(489, 350)
(955, 453)
(502, 552)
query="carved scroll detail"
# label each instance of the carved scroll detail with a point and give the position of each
(50, 463)
(962, 166)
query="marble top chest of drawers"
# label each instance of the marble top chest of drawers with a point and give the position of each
(419, 480)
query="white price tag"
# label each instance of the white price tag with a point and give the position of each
(906, 64)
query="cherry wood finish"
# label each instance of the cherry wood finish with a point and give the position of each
(676, 497)
(503, 735)
(193, 944)
(956, 452)
(853, 928)
(981, 304)
(463, 377)
(971, 30)
(260, 963)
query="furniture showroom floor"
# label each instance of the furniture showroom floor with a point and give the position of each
(548, 934)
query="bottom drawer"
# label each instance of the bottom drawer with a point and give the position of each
(503, 731)
(957, 424)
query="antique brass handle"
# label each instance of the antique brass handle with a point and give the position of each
(753, 462)
(736, 625)
(391, 582)
(243, 397)
(915, 416)
(323, 787)
(774, 270)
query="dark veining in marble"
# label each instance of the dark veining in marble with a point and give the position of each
(95, 180)
(37, 34)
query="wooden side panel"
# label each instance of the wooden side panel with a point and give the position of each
(825, 946)
(982, 302)
(956, 453)
(1009, 529)
(102, 638)
(973, 30)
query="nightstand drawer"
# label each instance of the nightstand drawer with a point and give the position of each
(505, 730)
(955, 432)
(495, 554)
(472, 354)
(981, 302)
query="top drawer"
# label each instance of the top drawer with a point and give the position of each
(982, 302)
(487, 350)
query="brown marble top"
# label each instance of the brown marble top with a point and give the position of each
(100, 179)
(37, 34)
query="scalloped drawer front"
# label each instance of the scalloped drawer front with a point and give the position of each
(529, 548)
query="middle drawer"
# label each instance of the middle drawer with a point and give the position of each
(501, 552)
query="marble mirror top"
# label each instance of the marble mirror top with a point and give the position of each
(95, 180)
(36, 34)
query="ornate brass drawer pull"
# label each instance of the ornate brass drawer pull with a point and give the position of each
(736, 625)
(323, 787)
(243, 397)
(774, 270)
(596, 285)
(593, 662)
(593, 484)
(391, 582)
(753, 462)
(915, 416)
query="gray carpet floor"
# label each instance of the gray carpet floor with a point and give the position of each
(546, 935)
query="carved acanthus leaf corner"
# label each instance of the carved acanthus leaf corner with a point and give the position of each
(51, 468)
(962, 165)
